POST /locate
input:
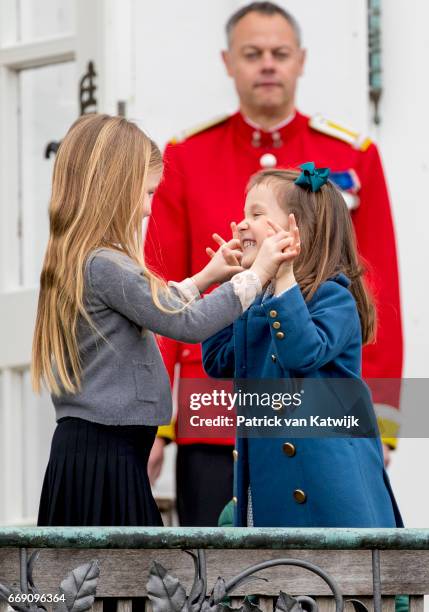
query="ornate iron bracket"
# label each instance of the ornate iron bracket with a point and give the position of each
(76, 591)
(87, 102)
(166, 593)
(87, 89)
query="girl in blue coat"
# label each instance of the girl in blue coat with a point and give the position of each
(310, 323)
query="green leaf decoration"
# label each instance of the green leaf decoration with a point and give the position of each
(249, 606)
(286, 603)
(165, 591)
(219, 591)
(79, 588)
(246, 606)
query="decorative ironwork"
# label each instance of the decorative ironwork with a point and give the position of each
(87, 89)
(87, 103)
(162, 586)
(121, 108)
(51, 147)
(167, 593)
(374, 56)
(76, 592)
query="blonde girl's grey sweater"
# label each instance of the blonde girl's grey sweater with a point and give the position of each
(124, 379)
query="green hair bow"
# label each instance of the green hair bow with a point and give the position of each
(312, 177)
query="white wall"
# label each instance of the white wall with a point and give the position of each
(404, 141)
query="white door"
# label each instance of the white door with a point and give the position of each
(38, 102)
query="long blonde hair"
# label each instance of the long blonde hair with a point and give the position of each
(98, 186)
(328, 240)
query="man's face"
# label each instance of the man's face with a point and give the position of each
(265, 61)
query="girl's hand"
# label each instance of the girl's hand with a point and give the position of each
(232, 260)
(277, 250)
(293, 249)
(285, 277)
(156, 460)
(224, 263)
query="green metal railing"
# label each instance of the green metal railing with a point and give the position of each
(215, 538)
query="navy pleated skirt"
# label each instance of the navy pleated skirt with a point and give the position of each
(97, 476)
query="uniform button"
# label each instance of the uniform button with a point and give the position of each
(277, 325)
(277, 139)
(235, 454)
(256, 139)
(273, 314)
(234, 500)
(273, 358)
(289, 449)
(268, 160)
(299, 496)
(186, 353)
(280, 335)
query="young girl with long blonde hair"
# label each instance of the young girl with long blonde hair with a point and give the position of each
(99, 306)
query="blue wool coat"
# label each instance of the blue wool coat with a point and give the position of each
(303, 482)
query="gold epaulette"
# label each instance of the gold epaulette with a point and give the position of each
(326, 126)
(389, 431)
(167, 431)
(202, 127)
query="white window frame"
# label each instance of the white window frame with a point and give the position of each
(17, 305)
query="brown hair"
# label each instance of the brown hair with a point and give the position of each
(327, 238)
(99, 181)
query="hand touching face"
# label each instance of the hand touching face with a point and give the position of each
(261, 205)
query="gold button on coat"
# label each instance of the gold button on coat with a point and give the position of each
(299, 496)
(289, 449)
(234, 500)
(273, 314)
(276, 325)
(280, 335)
(235, 454)
(273, 358)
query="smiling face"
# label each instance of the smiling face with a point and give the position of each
(261, 203)
(265, 60)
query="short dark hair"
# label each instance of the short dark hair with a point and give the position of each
(263, 8)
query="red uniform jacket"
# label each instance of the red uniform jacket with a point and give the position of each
(203, 189)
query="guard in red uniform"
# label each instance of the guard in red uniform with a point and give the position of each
(203, 190)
